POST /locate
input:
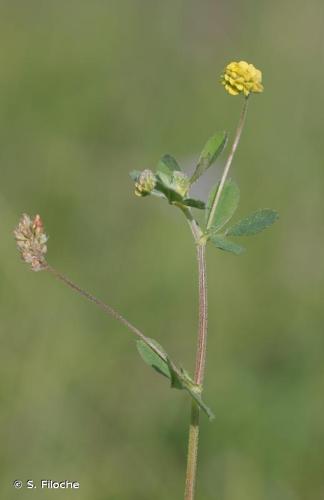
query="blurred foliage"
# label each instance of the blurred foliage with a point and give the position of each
(89, 91)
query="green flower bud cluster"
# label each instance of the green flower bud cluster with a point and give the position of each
(145, 183)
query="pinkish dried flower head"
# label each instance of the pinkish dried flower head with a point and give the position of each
(31, 241)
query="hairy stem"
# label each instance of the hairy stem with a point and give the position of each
(203, 319)
(202, 326)
(199, 374)
(228, 162)
(192, 453)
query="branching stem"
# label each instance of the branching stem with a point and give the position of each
(203, 319)
(202, 323)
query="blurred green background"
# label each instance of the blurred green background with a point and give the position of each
(88, 92)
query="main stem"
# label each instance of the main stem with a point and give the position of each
(203, 319)
(199, 374)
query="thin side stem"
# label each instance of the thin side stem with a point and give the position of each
(229, 161)
(107, 309)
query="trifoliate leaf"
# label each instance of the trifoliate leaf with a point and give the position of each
(226, 207)
(221, 242)
(212, 149)
(254, 223)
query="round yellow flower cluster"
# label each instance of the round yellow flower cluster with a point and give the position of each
(242, 77)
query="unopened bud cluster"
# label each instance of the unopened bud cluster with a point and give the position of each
(31, 241)
(145, 183)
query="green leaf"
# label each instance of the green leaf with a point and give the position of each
(152, 359)
(254, 223)
(226, 207)
(212, 149)
(192, 202)
(167, 165)
(223, 243)
(179, 378)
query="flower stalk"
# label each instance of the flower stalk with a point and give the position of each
(110, 311)
(228, 162)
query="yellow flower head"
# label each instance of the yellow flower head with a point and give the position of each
(242, 77)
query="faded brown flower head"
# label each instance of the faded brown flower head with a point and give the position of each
(31, 241)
